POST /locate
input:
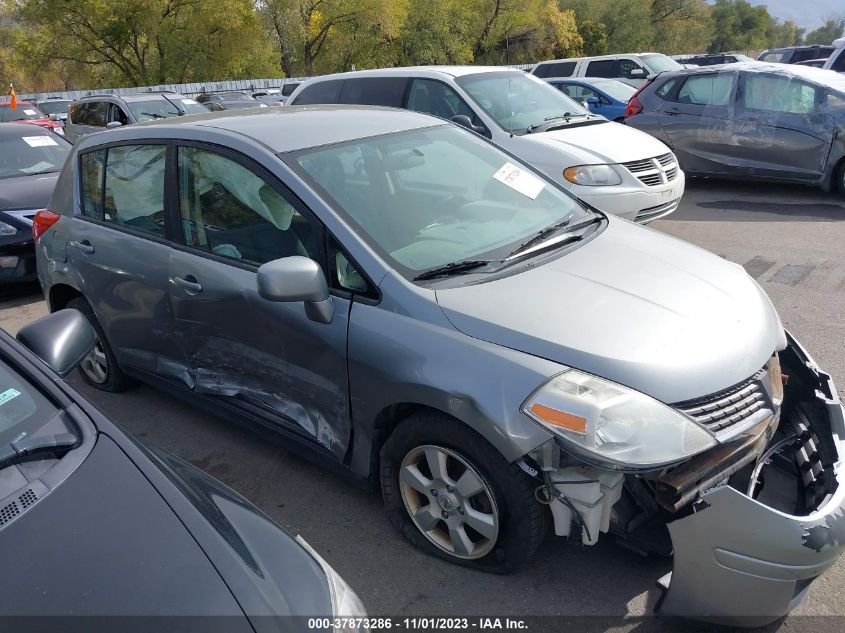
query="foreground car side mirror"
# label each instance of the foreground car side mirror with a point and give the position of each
(62, 339)
(297, 278)
(113, 124)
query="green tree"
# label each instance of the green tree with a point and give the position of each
(737, 25)
(833, 28)
(594, 35)
(147, 42)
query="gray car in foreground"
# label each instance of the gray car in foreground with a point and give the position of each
(411, 304)
(750, 120)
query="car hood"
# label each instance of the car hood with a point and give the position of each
(634, 306)
(600, 143)
(27, 192)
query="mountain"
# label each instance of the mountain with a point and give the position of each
(809, 14)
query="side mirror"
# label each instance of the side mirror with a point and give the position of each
(464, 121)
(592, 101)
(637, 72)
(62, 339)
(53, 117)
(297, 278)
(113, 124)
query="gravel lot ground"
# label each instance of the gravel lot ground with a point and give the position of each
(790, 238)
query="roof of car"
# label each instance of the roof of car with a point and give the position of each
(291, 128)
(596, 57)
(453, 71)
(139, 96)
(16, 131)
(809, 73)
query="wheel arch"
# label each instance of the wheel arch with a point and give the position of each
(60, 295)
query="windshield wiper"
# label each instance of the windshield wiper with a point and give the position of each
(453, 268)
(154, 115)
(565, 115)
(541, 236)
(35, 447)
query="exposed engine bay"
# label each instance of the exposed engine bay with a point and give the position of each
(759, 516)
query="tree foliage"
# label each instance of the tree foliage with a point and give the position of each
(56, 44)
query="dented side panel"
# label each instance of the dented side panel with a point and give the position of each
(740, 562)
(234, 344)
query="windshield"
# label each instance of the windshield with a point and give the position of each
(24, 410)
(658, 63)
(162, 108)
(235, 96)
(54, 107)
(427, 198)
(24, 112)
(31, 153)
(516, 100)
(616, 89)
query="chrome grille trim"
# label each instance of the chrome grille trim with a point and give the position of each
(654, 171)
(721, 412)
(652, 213)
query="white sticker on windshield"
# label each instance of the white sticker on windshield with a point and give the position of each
(189, 102)
(520, 180)
(30, 112)
(38, 141)
(8, 395)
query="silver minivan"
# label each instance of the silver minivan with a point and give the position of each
(410, 303)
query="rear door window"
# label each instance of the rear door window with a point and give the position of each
(710, 89)
(320, 92)
(133, 195)
(603, 68)
(380, 91)
(556, 69)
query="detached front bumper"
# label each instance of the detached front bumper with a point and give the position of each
(741, 562)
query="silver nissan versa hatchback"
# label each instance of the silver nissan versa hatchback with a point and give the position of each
(410, 302)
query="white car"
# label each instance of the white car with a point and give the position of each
(612, 167)
(836, 61)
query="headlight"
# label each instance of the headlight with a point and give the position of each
(7, 230)
(613, 425)
(593, 175)
(345, 603)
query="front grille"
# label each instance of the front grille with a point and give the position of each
(722, 411)
(654, 171)
(652, 213)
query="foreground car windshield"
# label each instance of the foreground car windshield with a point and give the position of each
(23, 409)
(29, 154)
(658, 63)
(152, 109)
(518, 101)
(24, 112)
(430, 197)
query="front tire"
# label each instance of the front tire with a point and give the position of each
(99, 369)
(453, 495)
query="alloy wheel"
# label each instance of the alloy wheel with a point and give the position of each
(96, 365)
(449, 501)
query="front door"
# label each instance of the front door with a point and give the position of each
(781, 128)
(266, 358)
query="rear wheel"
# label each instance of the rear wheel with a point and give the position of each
(453, 495)
(99, 369)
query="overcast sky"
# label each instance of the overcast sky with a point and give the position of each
(807, 13)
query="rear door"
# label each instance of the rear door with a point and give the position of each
(780, 128)
(695, 116)
(118, 247)
(268, 359)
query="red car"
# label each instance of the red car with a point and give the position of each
(26, 112)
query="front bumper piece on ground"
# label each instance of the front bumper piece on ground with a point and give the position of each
(740, 562)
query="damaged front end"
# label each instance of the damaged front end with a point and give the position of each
(750, 523)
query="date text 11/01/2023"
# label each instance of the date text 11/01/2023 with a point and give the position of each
(418, 623)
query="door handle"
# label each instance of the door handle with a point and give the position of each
(84, 246)
(189, 283)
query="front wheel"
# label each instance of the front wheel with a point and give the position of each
(453, 495)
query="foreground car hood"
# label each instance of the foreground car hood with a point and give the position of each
(601, 143)
(27, 192)
(632, 305)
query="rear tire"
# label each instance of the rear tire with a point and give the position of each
(100, 369)
(478, 510)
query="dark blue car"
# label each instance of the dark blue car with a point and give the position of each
(607, 97)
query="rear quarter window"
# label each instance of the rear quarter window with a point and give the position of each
(665, 91)
(557, 69)
(320, 92)
(380, 91)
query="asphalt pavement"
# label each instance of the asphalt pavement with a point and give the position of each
(791, 239)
